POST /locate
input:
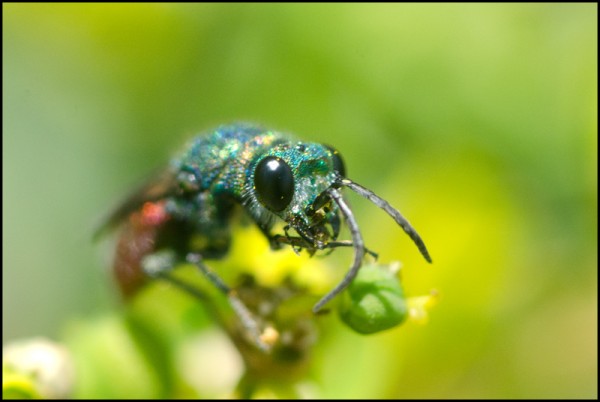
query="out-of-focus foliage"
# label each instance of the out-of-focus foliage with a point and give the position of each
(479, 122)
(36, 368)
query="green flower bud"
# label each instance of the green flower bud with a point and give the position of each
(374, 301)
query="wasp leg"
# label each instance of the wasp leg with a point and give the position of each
(293, 241)
(297, 247)
(160, 266)
(247, 319)
(348, 243)
(273, 243)
(296, 241)
(158, 263)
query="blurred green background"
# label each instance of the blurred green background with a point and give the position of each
(478, 121)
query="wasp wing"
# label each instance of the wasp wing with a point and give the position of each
(161, 185)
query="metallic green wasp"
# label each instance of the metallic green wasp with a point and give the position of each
(269, 175)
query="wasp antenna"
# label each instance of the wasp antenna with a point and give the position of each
(394, 213)
(359, 249)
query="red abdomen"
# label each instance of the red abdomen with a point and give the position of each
(137, 240)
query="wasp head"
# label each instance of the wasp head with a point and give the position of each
(299, 183)
(290, 182)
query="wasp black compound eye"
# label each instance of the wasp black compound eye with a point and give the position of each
(274, 183)
(338, 162)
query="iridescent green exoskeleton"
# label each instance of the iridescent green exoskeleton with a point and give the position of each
(269, 175)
